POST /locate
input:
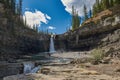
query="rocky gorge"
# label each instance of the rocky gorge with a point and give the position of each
(101, 31)
(19, 44)
(17, 39)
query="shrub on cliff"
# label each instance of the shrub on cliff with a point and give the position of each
(98, 54)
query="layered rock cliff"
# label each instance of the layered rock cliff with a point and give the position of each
(16, 39)
(101, 31)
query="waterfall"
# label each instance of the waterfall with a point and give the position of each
(29, 67)
(52, 49)
(34, 70)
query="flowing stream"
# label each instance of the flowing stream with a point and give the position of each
(29, 67)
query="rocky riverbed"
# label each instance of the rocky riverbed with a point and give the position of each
(62, 68)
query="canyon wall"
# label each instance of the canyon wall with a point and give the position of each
(16, 39)
(97, 32)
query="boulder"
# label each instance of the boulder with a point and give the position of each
(45, 71)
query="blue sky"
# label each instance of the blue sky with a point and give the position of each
(54, 15)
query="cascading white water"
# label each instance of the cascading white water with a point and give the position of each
(29, 67)
(52, 48)
(34, 70)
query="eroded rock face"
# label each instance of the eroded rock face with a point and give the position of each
(64, 72)
(16, 39)
(104, 34)
(7, 69)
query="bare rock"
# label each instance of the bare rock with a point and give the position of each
(90, 73)
(45, 70)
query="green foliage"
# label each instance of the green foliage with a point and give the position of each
(98, 54)
(85, 12)
(97, 7)
(106, 4)
(101, 5)
(75, 19)
(12, 7)
(111, 3)
(117, 1)
(94, 9)
(37, 29)
(19, 7)
(90, 13)
(13, 12)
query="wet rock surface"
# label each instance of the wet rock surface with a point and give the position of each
(56, 70)
(99, 33)
(69, 72)
(7, 69)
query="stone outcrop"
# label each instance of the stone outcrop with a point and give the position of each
(7, 69)
(16, 39)
(104, 33)
(70, 72)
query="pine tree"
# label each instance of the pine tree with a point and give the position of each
(117, 1)
(85, 12)
(75, 19)
(106, 4)
(20, 7)
(101, 6)
(25, 21)
(111, 3)
(36, 29)
(90, 13)
(98, 6)
(17, 9)
(94, 10)
(13, 2)
(6, 2)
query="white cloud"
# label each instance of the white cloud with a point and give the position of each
(35, 18)
(51, 28)
(48, 17)
(78, 4)
(27, 9)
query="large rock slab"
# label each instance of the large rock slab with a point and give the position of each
(66, 72)
(7, 69)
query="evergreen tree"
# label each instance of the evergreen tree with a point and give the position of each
(85, 12)
(36, 29)
(17, 9)
(75, 19)
(20, 7)
(98, 6)
(90, 13)
(101, 5)
(25, 21)
(94, 10)
(117, 1)
(13, 2)
(106, 4)
(6, 2)
(111, 3)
